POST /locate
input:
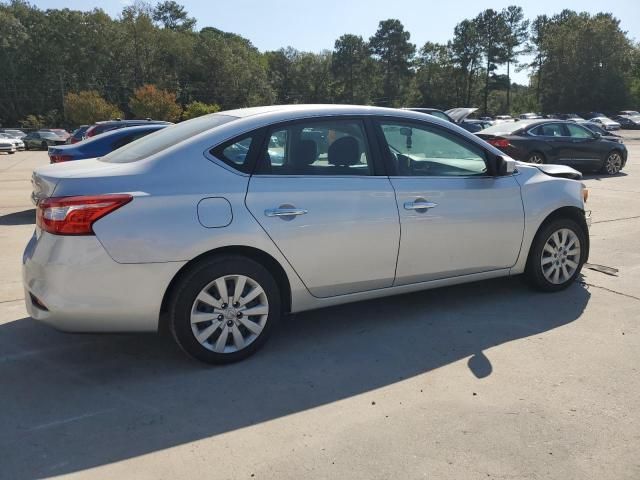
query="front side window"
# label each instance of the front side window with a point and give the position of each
(576, 131)
(425, 151)
(328, 147)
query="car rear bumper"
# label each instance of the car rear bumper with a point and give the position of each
(72, 284)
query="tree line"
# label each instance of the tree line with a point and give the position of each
(64, 67)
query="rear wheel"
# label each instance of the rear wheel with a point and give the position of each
(536, 157)
(613, 163)
(557, 255)
(224, 309)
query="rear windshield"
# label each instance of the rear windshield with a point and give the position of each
(505, 128)
(165, 138)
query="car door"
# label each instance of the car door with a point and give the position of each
(456, 219)
(557, 140)
(33, 139)
(587, 149)
(319, 195)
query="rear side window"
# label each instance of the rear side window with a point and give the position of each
(317, 147)
(165, 138)
(549, 130)
(235, 153)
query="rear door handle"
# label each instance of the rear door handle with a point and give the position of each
(419, 204)
(284, 212)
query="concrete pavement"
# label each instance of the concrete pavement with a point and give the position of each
(488, 380)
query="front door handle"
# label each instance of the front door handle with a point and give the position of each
(284, 212)
(419, 204)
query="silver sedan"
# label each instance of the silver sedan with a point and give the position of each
(216, 227)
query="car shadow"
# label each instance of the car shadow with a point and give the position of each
(25, 217)
(72, 402)
(601, 176)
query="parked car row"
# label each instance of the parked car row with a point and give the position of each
(100, 145)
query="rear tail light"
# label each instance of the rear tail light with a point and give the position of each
(57, 158)
(76, 215)
(499, 142)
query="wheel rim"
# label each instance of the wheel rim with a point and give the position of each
(535, 158)
(560, 256)
(614, 163)
(229, 314)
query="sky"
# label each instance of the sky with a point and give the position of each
(314, 26)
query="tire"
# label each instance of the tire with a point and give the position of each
(536, 157)
(44, 146)
(11, 153)
(220, 318)
(567, 265)
(612, 163)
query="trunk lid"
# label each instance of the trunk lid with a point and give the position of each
(46, 181)
(459, 114)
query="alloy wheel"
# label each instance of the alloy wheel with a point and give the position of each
(229, 313)
(536, 158)
(613, 163)
(560, 256)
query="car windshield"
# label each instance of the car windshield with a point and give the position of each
(48, 135)
(505, 128)
(165, 138)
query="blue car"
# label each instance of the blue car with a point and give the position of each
(100, 145)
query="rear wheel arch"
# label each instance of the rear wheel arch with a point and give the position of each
(255, 254)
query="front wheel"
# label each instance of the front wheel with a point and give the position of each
(612, 164)
(557, 255)
(224, 309)
(44, 146)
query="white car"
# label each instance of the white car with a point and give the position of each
(502, 118)
(204, 229)
(7, 145)
(606, 123)
(19, 144)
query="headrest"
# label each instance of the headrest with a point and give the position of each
(344, 152)
(304, 153)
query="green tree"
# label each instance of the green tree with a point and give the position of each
(391, 47)
(352, 69)
(33, 121)
(535, 47)
(492, 33)
(517, 30)
(467, 54)
(173, 16)
(88, 107)
(197, 109)
(586, 63)
(435, 75)
(151, 102)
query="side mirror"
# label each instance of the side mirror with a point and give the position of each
(504, 166)
(597, 135)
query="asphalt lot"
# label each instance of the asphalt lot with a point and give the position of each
(487, 380)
